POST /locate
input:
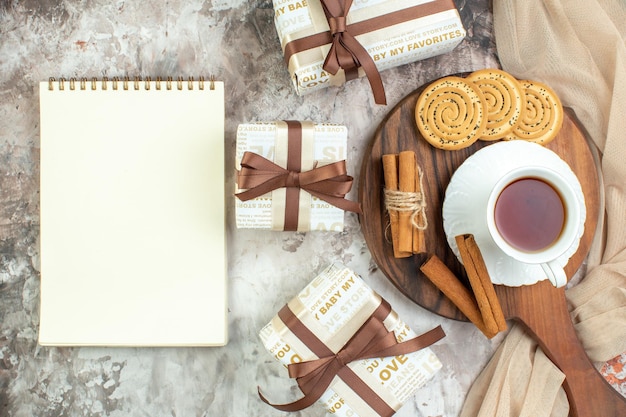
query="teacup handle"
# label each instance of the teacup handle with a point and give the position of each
(555, 273)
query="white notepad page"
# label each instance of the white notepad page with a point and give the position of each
(133, 246)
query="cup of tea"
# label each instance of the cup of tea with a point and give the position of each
(534, 216)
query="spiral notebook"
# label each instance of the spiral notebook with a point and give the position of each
(132, 213)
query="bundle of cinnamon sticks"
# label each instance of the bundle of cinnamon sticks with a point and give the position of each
(405, 203)
(481, 305)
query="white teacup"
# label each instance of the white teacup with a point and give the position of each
(534, 216)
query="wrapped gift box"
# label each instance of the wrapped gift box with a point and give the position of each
(392, 32)
(334, 308)
(319, 145)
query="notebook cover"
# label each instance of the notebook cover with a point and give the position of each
(132, 215)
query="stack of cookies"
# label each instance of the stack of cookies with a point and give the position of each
(489, 104)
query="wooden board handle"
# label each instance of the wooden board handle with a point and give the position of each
(589, 394)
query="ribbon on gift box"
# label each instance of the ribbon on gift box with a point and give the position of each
(259, 176)
(372, 340)
(346, 52)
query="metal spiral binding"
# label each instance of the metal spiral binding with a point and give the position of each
(126, 83)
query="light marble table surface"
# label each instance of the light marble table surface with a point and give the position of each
(235, 40)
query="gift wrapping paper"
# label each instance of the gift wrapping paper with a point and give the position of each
(334, 306)
(325, 143)
(399, 44)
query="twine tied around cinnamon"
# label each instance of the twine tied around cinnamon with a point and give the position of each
(409, 201)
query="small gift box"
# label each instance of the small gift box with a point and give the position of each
(292, 176)
(327, 42)
(348, 349)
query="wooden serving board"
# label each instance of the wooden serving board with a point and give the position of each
(541, 308)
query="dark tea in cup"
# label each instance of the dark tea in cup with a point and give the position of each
(534, 216)
(529, 214)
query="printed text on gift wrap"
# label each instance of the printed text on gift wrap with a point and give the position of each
(293, 15)
(339, 303)
(413, 42)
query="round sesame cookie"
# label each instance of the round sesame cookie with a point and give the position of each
(504, 97)
(543, 114)
(451, 113)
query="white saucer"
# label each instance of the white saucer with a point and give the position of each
(464, 205)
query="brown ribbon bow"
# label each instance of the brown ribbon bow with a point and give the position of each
(372, 340)
(346, 52)
(330, 183)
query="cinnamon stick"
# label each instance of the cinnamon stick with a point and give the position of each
(419, 238)
(390, 175)
(482, 272)
(480, 282)
(444, 279)
(407, 173)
